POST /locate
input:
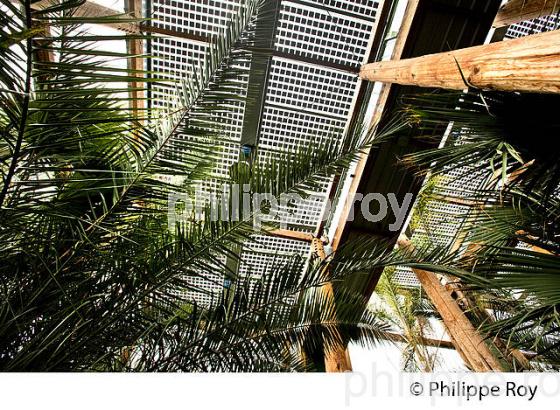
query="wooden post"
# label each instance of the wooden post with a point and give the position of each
(44, 54)
(465, 337)
(515, 11)
(530, 64)
(467, 341)
(513, 356)
(135, 48)
(337, 359)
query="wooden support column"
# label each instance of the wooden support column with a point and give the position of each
(135, 48)
(337, 360)
(44, 54)
(467, 340)
(530, 64)
(514, 357)
(515, 11)
(133, 10)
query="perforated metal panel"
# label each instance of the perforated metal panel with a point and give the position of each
(303, 100)
(310, 88)
(295, 127)
(267, 254)
(539, 25)
(204, 17)
(326, 35)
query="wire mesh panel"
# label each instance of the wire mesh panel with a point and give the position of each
(296, 128)
(534, 26)
(269, 253)
(364, 9)
(311, 88)
(311, 85)
(323, 34)
(203, 18)
(436, 223)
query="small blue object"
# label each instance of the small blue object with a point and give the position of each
(246, 149)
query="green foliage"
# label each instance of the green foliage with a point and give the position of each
(421, 208)
(409, 314)
(514, 267)
(92, 277)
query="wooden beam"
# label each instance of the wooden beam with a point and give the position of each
(467, 341)
(43, 53)
(92, 9)
(514, 357)
(148, 28)
(134, 46)
(515, 11)
(338, 360)
(406, 24)
(288, 234)
(426, 341)
(530, 64)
